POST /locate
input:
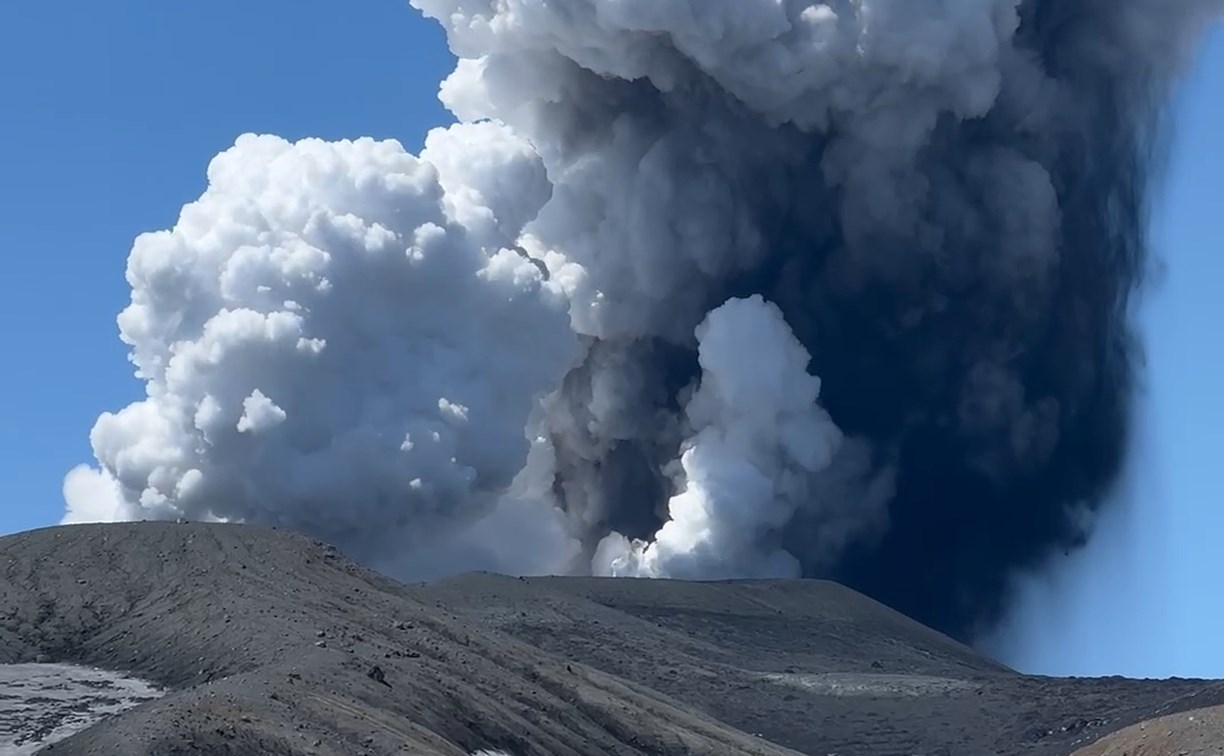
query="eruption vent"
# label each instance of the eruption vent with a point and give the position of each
(729, 288)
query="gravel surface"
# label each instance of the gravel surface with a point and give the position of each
(1199, 732)
(272, 643)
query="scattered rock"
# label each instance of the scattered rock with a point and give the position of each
(377, 674)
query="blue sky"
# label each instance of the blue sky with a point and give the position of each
(113, 110)
(1186, 354)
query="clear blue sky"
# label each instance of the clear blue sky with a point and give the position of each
(113, 110)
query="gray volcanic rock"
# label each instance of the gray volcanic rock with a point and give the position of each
(812, 665)
(266, 639)
(1189, 733)
(271, 643)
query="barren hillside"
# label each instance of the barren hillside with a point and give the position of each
(271, 643)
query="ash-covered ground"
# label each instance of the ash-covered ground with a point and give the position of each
(272, 643)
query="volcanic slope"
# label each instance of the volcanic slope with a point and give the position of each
(1189, 733)
(272, 643)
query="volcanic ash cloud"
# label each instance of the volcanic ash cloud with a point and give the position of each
(582, 330)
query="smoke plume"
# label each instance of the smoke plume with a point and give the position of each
(729, 288)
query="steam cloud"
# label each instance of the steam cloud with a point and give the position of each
(730, 288)
(759, 444)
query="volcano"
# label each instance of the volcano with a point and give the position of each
(263, 641)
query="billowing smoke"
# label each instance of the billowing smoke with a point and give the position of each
(737, 287)
(759, 443)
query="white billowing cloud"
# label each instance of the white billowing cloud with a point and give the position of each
(759, 440)
(327, 345)
(494, 182)
(259, 413)
(93, 496)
